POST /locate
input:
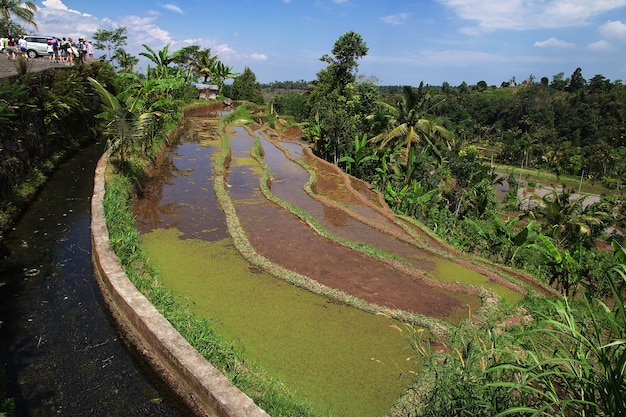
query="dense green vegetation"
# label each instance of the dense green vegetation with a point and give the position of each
(422, 148)
(432, 151)
(426, 149)
(43, 117)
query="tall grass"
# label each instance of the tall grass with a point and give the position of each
(574, 360)
(570, 361)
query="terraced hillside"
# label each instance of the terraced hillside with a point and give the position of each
(232, 218)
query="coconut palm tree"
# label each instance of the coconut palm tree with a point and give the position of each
(22, 10)
(409, 125)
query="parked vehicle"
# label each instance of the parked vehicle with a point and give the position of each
(37, 45)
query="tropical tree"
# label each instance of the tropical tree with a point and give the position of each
(221, 73)
(566, 267)
(24, 11)
(110, 40)
(203, 64)
(124, 116)
(162, 59)
(503, 239)
(343, 63)
(409, 124)
(246, 87)
(340, 102)
(566, 220)
(186, 56)
(126, 61)
(361, 155)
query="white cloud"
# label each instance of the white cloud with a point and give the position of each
(57, 5)
(216, 48)
(258, 57)
(530, 14)
(601, 46)
(554, 43)
(396, 19)
(143, 30)
(173, 8)
(56, 19)
(613, 30)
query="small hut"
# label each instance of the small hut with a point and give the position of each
(207, 91)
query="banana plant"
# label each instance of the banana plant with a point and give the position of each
(359, 156)
(503, 240)
(567, 272)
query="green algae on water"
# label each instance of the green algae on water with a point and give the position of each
(340, 358)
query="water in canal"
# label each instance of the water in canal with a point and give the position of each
(62, 354)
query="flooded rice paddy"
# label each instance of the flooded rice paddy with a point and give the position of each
(342, 359)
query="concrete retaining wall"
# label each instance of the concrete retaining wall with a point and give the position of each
(199, 384)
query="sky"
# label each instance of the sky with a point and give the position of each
(430, 41)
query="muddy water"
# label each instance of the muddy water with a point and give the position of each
(63, 355)
(285, 240)
(288, 180)
(340, 358)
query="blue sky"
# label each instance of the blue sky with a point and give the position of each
(409, 41)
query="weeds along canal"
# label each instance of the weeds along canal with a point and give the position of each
(61, 351)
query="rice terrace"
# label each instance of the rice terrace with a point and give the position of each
(300, 220)
(322, 248)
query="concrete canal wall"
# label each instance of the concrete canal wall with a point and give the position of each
(199, 384)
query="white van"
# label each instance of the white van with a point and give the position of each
(37, 45)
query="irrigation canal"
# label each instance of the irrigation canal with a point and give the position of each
(62, 353)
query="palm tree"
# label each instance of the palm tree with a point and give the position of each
(204, 64)
(126, 60)
(22, 10)
(567, 220)
(124, 115)
(408, 124)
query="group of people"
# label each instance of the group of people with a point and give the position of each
(66, 50)
(14, 47)
(59, 50)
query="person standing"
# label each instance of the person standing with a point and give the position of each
(11, 48)
(22, 44)
(70, 52)
(63, 47)
(82, 49)
(55, 49)
(50, 50)
(90, 51)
